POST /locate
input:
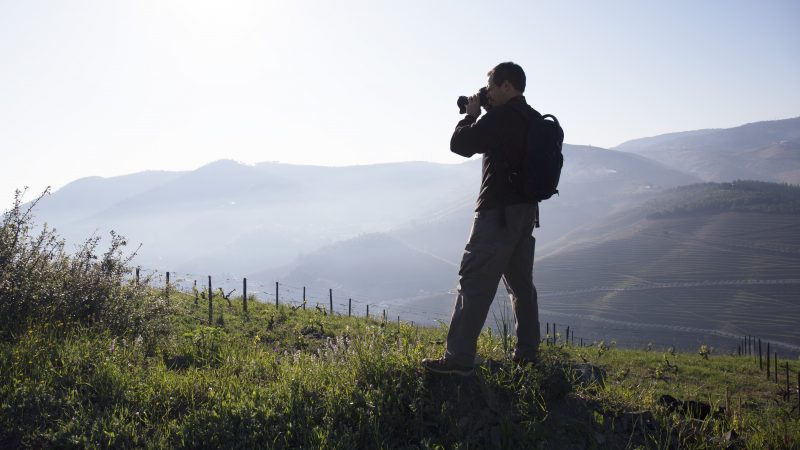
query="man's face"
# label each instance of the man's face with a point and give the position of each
(498, 95)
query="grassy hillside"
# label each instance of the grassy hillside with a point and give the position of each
(283, 377)
(722, 257)
(91, 358)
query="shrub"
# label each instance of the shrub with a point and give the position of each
(41, 283)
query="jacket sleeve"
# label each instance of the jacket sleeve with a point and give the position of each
(473, 136)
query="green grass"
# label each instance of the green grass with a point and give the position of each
(294, 378)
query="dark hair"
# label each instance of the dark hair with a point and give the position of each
(508, 71)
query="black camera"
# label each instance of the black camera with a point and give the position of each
(463, 100)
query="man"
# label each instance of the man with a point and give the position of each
(500, 244)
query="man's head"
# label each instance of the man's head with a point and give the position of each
(506, 81)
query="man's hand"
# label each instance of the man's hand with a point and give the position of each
(474, 106)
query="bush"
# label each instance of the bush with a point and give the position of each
(41, 283)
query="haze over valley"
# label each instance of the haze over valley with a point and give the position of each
(626, 251)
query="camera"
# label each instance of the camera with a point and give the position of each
(463, 100)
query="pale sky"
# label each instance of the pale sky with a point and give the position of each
(110, 87)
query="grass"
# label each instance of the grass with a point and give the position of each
(294, 378)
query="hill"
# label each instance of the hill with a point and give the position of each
(91, 357)
(228, 217)
(292, 378)
(767, 151)
(712, 257)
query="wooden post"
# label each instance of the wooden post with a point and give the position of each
(776, 366)
(304, 298)
(567, 341)
(768, 360)
(349, 307)
(244, 294)
(760, 361)
(739, 349)
(210, 304)
(367, 310)
(276, 294)
(398, 323)
(581, 342)
(788, 392)
(137, 275)
(555, 339)
(166, 290)
(384, 315)
(330, 296)
(196, 293)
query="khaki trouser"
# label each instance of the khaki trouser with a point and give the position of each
(500, 245)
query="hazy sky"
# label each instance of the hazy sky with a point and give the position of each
(112, 87)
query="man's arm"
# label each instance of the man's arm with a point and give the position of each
(474, 136)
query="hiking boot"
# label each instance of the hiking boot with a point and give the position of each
(446, 367)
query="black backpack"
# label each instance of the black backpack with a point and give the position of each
(537, 178)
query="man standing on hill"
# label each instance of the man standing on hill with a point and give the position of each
(501, 244)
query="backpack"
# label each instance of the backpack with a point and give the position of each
(537, 178)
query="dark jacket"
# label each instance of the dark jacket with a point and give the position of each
(500, 135)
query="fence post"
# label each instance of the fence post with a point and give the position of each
(760, 361)
(330, 297)
(768, 354)
(210, 304)
(776, 366)
(567, 341)
(166, 290)
(555, 339)
(196, 293)
(349, 307)
(276, 295)
(137, 275)
(788, 392)
(304, 298)
(244, 294)
(384, 315)
(367, 310)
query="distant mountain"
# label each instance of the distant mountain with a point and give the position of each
(621, 229)
(234, 218)
(768, 151)
(227, 217)
(374, 266)
(704, 257)
(595, 181)
(694, 265)
(418, 261)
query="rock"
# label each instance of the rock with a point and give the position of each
(638, 420)
(588, 375)
(690, 408)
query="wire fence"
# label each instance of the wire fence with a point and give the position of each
(341, 302)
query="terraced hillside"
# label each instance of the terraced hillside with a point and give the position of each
(671, 273)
